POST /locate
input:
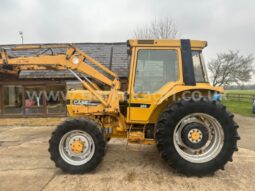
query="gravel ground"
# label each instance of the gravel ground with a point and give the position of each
(25, 165)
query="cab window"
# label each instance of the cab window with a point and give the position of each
(154, 69)
(199, 67)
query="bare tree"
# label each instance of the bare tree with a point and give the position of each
(231, 68)
(157, 29)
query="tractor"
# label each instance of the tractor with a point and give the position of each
(168, 103)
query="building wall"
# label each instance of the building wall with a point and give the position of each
(38, 97)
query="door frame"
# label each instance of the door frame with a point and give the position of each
(144, 104)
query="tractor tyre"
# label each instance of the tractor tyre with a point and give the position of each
(196, 137)
(77, 146)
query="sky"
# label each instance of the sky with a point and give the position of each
(225, 24)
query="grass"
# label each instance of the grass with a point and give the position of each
(239, 107)
(248, 92)
(242, 108)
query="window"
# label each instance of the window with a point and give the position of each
(154, 69)
(34, 100)
(55, 99)
(13, 99)
(199, 68)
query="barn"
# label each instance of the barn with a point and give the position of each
(41, 93)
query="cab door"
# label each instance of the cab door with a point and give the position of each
(154, 72)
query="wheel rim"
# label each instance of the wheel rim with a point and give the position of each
(210, 149)
(76, 147)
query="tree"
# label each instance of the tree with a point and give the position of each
(157, 29)
(231, 68)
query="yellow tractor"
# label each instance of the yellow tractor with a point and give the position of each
(168, 103)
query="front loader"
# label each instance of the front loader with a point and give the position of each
(168, 103)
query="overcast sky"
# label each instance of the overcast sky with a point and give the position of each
(225, 24)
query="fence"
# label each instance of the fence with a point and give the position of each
(240, 97)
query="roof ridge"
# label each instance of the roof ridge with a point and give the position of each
(77, 43)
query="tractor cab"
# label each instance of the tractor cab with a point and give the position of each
(160, 69)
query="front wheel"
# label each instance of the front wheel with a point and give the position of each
(196, 137)
(77, 146)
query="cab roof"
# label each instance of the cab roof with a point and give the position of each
(165, 43)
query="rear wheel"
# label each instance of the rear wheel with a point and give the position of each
(77, 146)
(196, 137)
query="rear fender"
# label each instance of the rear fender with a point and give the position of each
(181, 92)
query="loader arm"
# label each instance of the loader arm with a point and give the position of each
(72, 59)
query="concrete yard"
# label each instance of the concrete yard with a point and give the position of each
(25, 165)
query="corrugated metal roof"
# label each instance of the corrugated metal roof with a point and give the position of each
(99, 51)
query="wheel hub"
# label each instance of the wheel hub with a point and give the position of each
(194, 135)
(77, 146)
